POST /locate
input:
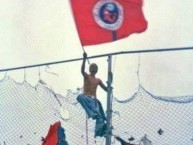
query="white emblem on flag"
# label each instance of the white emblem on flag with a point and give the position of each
(108, 14)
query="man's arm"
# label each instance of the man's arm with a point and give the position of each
(83, 64)
(102, 86)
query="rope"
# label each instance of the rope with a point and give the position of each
(47, 67)
(24, 75)
(138, 71)
(87, 130)
(39, 73)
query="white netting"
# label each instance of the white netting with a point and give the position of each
(165, 120)
(27, 112)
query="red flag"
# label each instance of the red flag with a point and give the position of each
(52, 136)
(100, 21)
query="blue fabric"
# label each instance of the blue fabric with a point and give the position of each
(61, 133)
(94, 109)
(61, 137)
(90, 105)
(100, 127)
(101, 110)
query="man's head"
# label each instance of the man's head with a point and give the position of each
(93, 68)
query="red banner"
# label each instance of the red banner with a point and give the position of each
(52, 136)
(101, 21)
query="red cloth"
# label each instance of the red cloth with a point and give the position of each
(52, 136)
(91, 33)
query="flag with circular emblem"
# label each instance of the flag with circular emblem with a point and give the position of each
(102, 21)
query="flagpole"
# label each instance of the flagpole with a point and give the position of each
(109, 102)
(109, 96)
(80, 40)
(85, 52)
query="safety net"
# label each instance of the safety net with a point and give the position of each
(143, 118)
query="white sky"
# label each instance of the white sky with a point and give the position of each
(40, 31)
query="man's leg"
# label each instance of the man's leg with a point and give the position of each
(100, 127)
(101, 111)
(88, 105)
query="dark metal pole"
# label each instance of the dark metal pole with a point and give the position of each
(109, 102)
(103, 55)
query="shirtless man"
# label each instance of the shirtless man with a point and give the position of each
(88, 99)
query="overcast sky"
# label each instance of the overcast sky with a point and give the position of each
(39, 31)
